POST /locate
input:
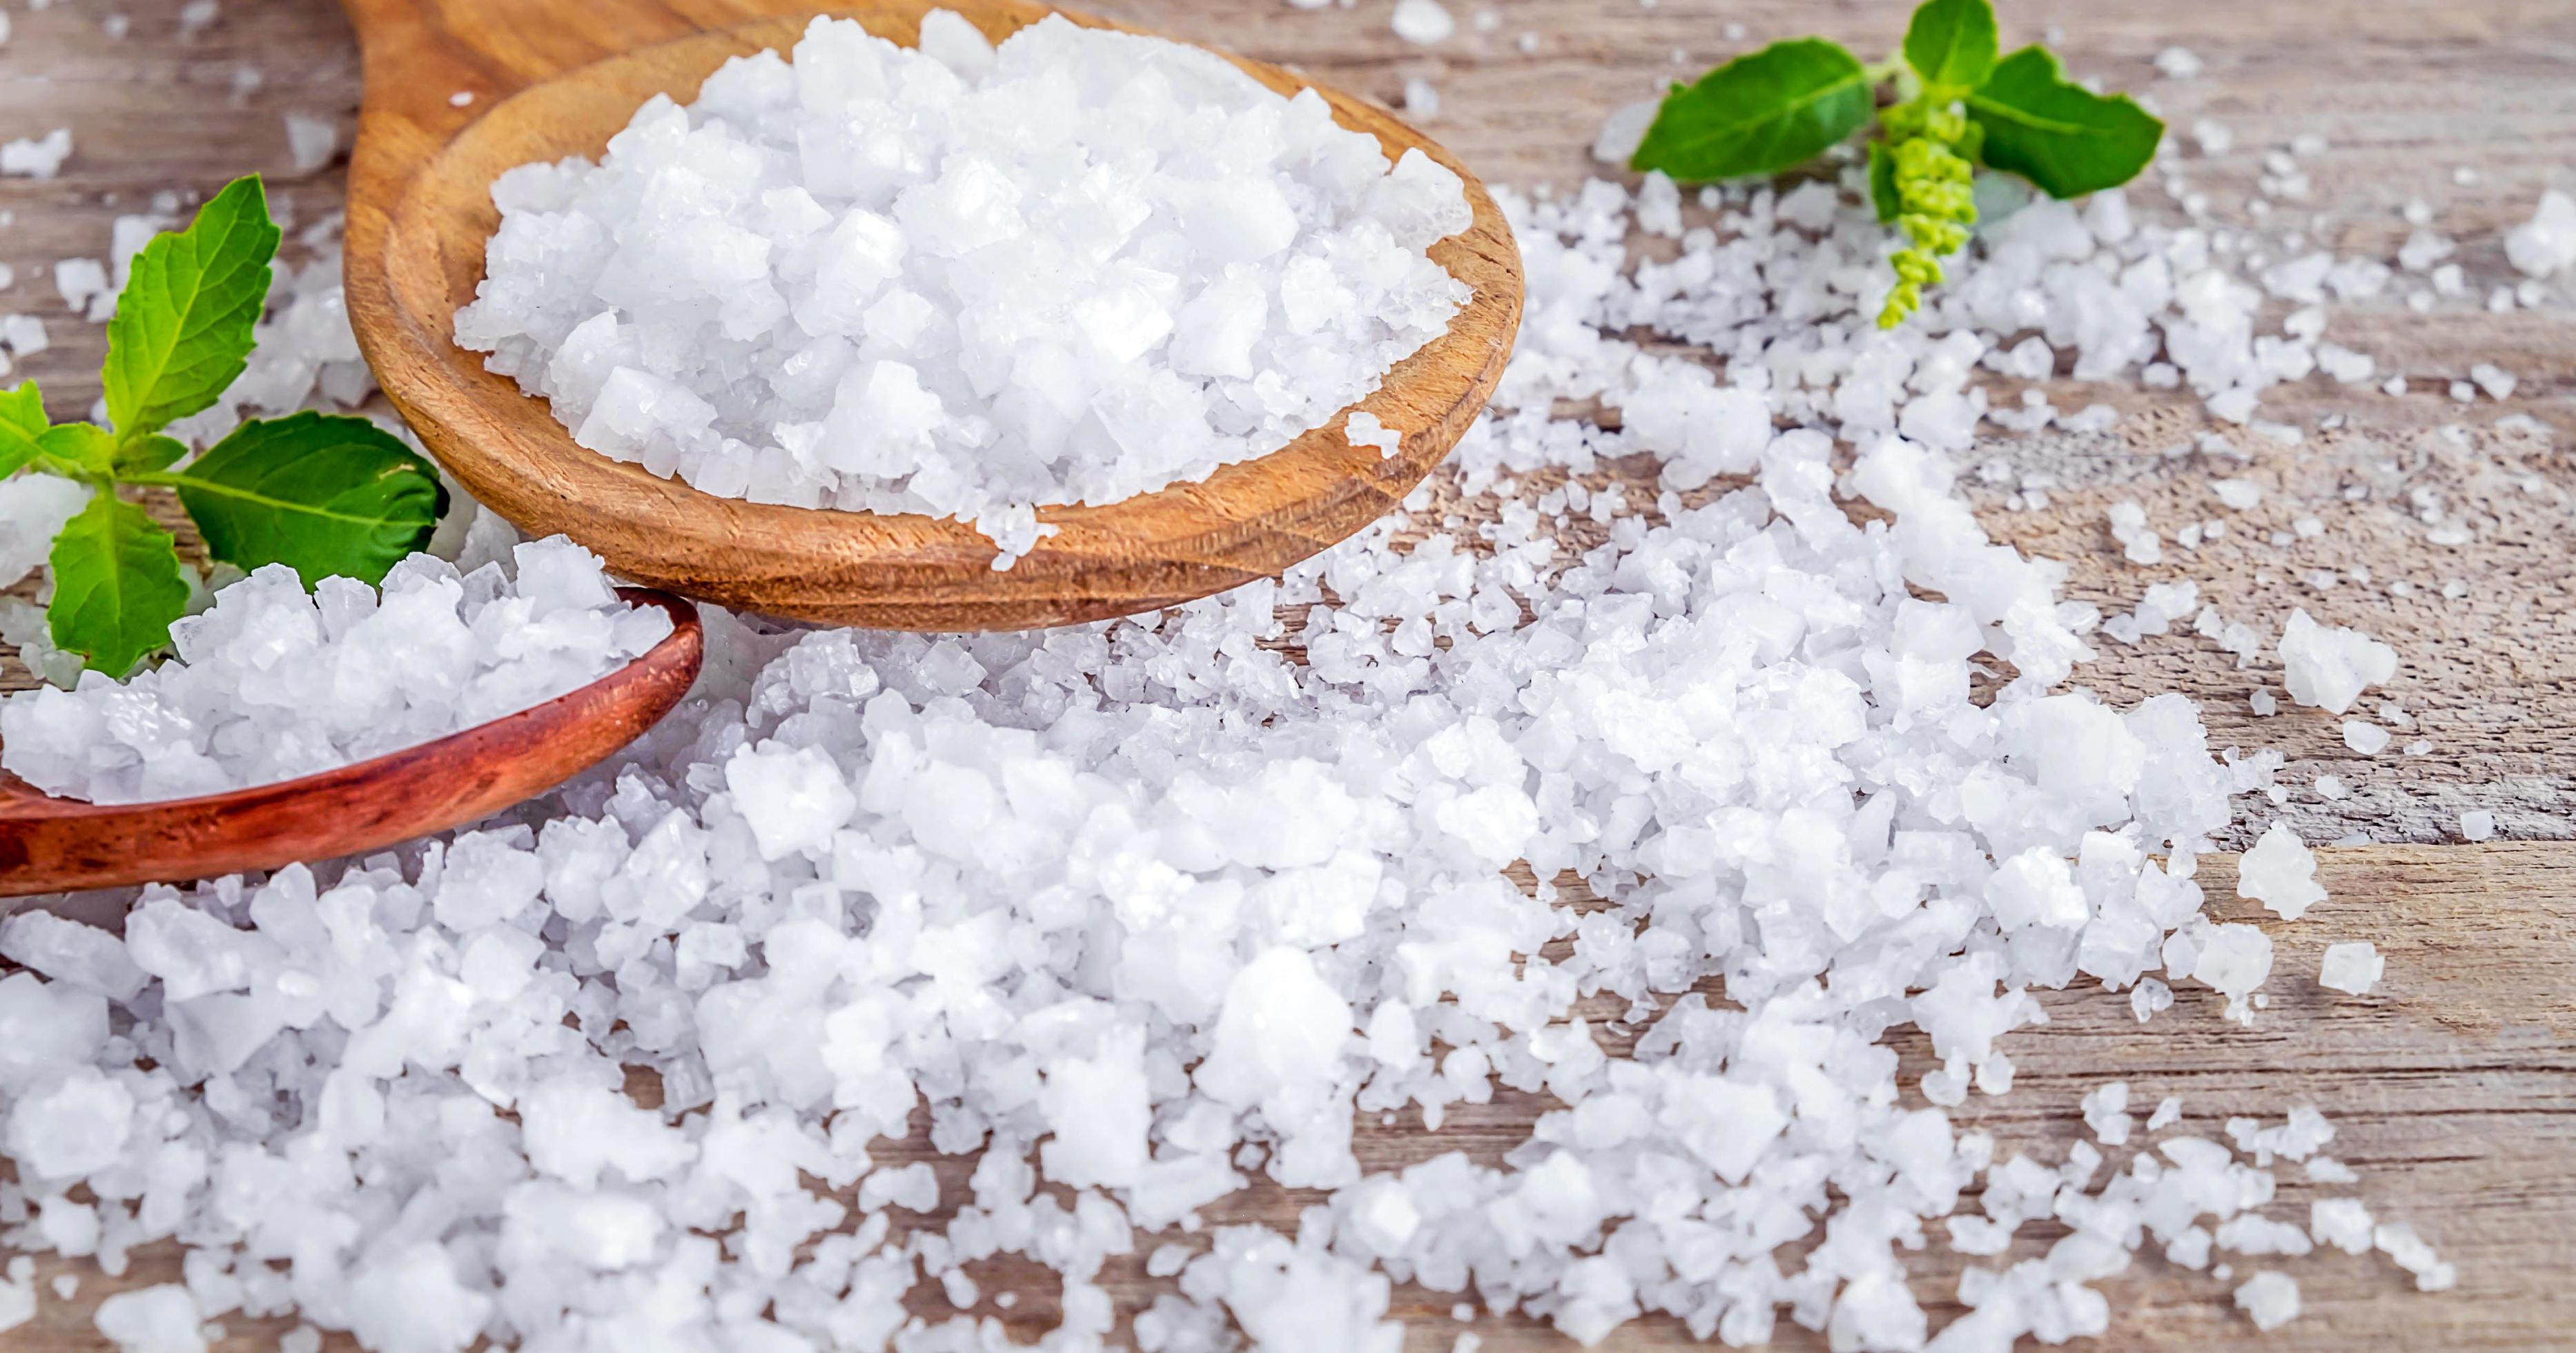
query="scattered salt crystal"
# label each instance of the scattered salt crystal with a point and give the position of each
(1364, 430)
(2269, 1299)
(2280, 872)
(2329, 668)
(2546, 244)
(2369, 739)
(2179, 63)
(2105, 1112)
(2238, 494)
(1623, 131)
(2129, 528)
(2341, 1222)
(915, 305)
(462, 98)
(2495, 380)
(37, 158)
(1421, 99)
(1423, 21)
(160, 1319)
(17, 1301)
(2477, 824)
(2354, 968)
(2168, 1112)
(81, 281)
(2408, 1251)
(197, 16)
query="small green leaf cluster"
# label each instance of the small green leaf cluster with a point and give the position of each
(322, 494)
(1957, 103)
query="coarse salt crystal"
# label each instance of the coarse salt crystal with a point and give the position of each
(2269, 1299)
(2354, 968)
(1423, 21)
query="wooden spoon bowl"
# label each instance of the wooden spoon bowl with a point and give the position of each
(51, 845)
(552, 78)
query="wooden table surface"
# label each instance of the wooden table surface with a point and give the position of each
(2453, 1088)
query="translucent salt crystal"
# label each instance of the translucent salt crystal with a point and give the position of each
(2341, 1222)
(311, 141)
(2330, 667)
(2178, 63)
(1423, 21)
(2353, 968)
(161, 1319)
(1623, 131)
(2364, 737)
(2477, 824)
(79, 281)
(2545, 244)
(36, 157)
(17, 1295)
(1364, 430)
(2280, 872)
(2269, 1299)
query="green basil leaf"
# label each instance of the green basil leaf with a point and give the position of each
(79, 450)
(322, 494)
(117, 585)
(1882, 181)
(22, 421)
(148, 454)
(1759, 114)
(183, 324)
(1951, 43)
(2059, 135)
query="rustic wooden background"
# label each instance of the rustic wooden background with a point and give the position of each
(2454, 1086)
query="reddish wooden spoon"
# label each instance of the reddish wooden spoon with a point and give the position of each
(51, 845)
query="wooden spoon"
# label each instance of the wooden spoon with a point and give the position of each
(551, 78)
(51, 845)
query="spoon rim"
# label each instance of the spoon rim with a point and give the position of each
(1245, 520)
(666, 671)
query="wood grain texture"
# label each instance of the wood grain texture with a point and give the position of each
(2454, 1087)
(559, 79)
(51, 845)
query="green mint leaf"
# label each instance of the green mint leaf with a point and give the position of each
(77, 451)
(2059, 135)
(117, 585)
(22, 421)
(1882, 182)
(319, 493)
(183, 323)
(1951, 43)
(1759, 114)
